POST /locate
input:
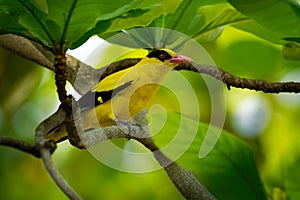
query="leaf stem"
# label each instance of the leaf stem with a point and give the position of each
(67, 23)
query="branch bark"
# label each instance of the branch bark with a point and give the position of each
(26, 49)
(20, 145)
(233, 81)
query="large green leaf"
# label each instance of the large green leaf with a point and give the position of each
(292, 180)
(281, 17)
(10, 12)
(185, 19)
(201, 20)
(213, 29)
(253, 27)
(64, 22)
(189, 16)
(140, 16)
(228, 171)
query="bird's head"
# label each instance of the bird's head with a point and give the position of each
(168, 57)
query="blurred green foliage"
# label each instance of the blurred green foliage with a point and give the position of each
(249, 48)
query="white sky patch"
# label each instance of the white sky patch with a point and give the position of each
(85, 50)
(83, 53)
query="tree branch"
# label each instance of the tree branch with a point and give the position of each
(20, 145)
(234, 81)
(45, 151)
(26, 49)
(56, 176)
(40, 142)
(184, 180)
(33, 51)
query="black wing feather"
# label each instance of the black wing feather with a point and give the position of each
(90, 99)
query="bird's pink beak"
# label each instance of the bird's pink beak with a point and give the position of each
(180, 58)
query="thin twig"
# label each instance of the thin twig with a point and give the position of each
(40, 142)
(237, 82)
(56, 176)
(20, 145)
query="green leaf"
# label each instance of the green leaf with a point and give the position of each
(190, 16)
(291, 48)
(65, 22)
(92, 11)
(212, 30)
(292, 180)
(42, 4)
(11, 11)
(185, 19)
(32, 20)
(228, 171)
(281, 17)
(258, 30)
(100, 27)
(134, 18)
(205, 20)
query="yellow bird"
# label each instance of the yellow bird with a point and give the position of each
(125, 93)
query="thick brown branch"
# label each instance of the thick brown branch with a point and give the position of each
(61, 77)
(184, 180)
(26, 49)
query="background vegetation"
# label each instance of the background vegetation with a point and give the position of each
(257, 158)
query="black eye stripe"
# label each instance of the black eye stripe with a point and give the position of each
(160, 55)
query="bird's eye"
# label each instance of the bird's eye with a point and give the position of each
(162, 56)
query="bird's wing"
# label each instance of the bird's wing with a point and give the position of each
(115, 80)
(109, 87)
(93, 98)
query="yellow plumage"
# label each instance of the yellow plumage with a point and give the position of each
(125, 93)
